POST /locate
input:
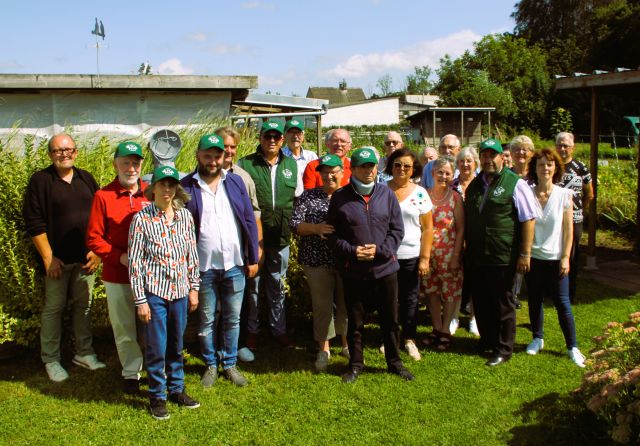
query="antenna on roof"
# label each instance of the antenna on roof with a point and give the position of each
(98, 31)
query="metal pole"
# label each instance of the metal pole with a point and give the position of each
(637, 250)
(98, 59)
(433, 140)
(462, 127)
(318, 135)
(593, 162)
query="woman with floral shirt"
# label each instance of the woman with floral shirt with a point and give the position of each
(443, 284)
(318, 261)
(163, 268)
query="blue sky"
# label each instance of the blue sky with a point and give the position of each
(290, 45)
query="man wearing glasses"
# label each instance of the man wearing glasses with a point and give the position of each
(56, 212)
(276, 179)
(577, 178)
(338, 142)
(392, 142)
(449, 145)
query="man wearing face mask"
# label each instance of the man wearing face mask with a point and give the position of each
(108, 236)
(368, 230)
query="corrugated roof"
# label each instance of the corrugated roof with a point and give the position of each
(336, 95)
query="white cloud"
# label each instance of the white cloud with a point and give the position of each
(225, 49)
(173, 66)
(257, 5)
(423, 53)
(198, 37)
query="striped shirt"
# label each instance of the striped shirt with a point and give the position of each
(163, 258)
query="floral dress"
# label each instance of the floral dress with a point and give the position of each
(441, 279)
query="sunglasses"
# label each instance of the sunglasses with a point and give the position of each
(402, 166)
(270, 136)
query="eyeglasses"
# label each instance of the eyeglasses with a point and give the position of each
(270, 136)
(395, 143)
(447, 146)
(402, 166)
(331, 173)
(63, 151)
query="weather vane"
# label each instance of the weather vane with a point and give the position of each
(98, 30)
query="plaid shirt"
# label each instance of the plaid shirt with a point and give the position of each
(163, 258)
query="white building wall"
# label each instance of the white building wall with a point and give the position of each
(377, 112)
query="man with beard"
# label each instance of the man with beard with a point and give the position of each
(227, 238)
(108, 236)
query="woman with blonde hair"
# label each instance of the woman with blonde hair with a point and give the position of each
(521, 148)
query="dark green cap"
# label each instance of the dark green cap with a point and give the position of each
(271, 125)
(491, 144)
(294, 124)
(210, 141)
(163, 172)
(128, 148)
(362, 156)
(329, 160)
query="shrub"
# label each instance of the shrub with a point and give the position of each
(610, 387)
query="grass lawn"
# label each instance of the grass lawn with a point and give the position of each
(456, 399)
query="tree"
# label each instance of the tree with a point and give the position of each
(418, 82)
(503, 72)
(144, 69)
(385, 84)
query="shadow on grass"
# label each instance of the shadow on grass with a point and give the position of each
(555, 419)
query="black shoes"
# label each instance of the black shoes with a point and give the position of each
(497, 360)
(404, 374)
(517, 303)
(351, 376)
(184, 400)
(158, 408)
(131, 386)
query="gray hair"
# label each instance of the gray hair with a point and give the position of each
(562, 135)
(441, 161)
(468, 151)
(521, 141)
(330, 134)
(450, 135)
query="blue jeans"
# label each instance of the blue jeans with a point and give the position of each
(544, 279)
(225, 288)
(164, 345)
(273, 272)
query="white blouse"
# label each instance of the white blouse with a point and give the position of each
(413, 206)
(547, 239)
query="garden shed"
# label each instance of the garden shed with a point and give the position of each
(465, 122)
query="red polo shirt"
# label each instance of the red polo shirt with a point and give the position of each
(311, 177)
(108, 230)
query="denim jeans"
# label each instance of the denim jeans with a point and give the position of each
(164, 333)
(544, 279)
(224, 288)
(273, 272)
(73, 286)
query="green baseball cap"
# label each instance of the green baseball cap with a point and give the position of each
(128, 148)
(271, 125)
(294, 124)
(363, 155)
(329, 160)
(211, 141)
(163, 172)
(491, 144)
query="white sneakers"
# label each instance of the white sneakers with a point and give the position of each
(473, 327)
(411, 348)
(535, 346)
(88, 362)
(453, 325)
(56, 372)
(576, 356)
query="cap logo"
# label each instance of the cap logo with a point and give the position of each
(294, 122)
(167, 171)
(498, 191)
(273, 125)
(287, 173)
(326, 158)
(131, 147)
(213, 139)
(365, 154)
(490, 142)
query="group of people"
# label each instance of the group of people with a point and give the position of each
(375, 233)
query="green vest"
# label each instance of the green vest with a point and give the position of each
(275, 220)
(493, 235)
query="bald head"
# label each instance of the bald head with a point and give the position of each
(449, 145)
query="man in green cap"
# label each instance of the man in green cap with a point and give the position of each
(108, 236)
(294, 139)
(276, 179)
(368, 227)
(500, 216)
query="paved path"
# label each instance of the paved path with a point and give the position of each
(623, 274)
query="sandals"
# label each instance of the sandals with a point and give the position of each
(444, 342)
(432, 338)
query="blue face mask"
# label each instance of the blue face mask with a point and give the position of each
(363, 189)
